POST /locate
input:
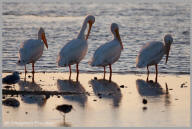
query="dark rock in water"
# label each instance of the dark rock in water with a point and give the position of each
(144, 101)
(11, 102)
(11, 79)
(7, 87)
(185, 32)
(95, 78)
(65, 108)
(122, 86)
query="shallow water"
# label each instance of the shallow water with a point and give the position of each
(139, 22)
(117, 107)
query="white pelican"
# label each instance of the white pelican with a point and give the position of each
(152, 52)
(109, 52)
(75, 50)
(32, 49)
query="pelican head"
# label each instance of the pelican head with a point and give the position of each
(168, 41)
(90, 19)
(41, 35)
(115, 31)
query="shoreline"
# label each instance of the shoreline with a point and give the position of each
(121, 98)
(100, 72)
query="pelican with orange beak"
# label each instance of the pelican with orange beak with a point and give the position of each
(108, 53)
(75, 50)
(32, 49)
(152, 53)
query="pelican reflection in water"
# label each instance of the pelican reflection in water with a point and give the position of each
(107, 89)
(153, 90)
(40, 100)
(72, 86)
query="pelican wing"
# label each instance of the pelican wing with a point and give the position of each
(73, 52)
(151, 53)
(106, 54)
(30, 51)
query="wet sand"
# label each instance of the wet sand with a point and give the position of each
(103, 104)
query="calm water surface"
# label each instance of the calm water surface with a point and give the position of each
(139, 22)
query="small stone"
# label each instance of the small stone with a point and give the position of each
(144, 108)
(47, 96)
(122, 86)
(94, 100)
(170, 89)
(95, 78)
(100, 97)
(99, 94)
(29, 76)
(151, 81)
(110, 94)
(26, 112)
(144, 101)
(58, 96)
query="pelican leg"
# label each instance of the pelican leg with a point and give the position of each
(25, 73)
(147, 73)
(104, 72)
(156, 67)
(33, 72)
(69, 72)
(110, 72)
(25, 69)
(77, 69)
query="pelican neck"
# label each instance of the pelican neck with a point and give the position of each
(81, 34)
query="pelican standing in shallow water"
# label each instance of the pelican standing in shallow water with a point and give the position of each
(75, 50)
(31, 50)
(152, 52)
(108, 53)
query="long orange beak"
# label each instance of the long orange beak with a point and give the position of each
(167, 55)
(90, 25)
(44, 39)
(118, 37)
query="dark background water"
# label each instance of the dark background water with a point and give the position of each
(139, 21)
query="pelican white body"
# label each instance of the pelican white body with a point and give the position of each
(107, 54)
(150, 54)
(73, 52)
(30, 51)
